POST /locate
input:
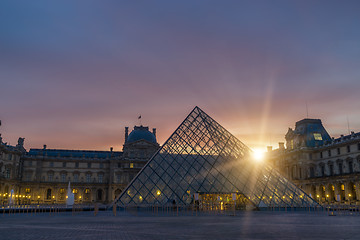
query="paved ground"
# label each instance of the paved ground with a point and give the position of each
(126, 225)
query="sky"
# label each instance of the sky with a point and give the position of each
(74, 73)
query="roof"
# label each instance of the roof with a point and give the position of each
(141, 133)
(72, 153)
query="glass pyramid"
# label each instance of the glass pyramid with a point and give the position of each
(203, 157)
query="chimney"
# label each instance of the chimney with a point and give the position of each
(281, 145)
(44, 147)
(269, 148)
(111, 149)
(154, 132)
(126, 133)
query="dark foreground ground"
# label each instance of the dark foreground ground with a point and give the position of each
(131, 225)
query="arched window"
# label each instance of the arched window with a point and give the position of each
(117, 193)
(48, 194)
(62, 194)
(99, 195)
(87, 194)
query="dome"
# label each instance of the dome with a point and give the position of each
(141, 133)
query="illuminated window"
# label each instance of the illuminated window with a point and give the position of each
(75, 191)
(62, 190)
(48, 194)
(131, 165)
(27, 190)
(292, 144)
(318, 137)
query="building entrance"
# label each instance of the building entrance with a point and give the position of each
(223, 201)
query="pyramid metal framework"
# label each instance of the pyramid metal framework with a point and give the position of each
(203, 157)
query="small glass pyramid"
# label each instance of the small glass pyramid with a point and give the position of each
(202, 157)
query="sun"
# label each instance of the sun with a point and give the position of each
(258, 154)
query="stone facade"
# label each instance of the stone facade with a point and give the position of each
(42, 175)
(326, 168)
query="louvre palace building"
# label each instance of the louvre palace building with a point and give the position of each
(42, 175)
(200, 161)
(326, 168)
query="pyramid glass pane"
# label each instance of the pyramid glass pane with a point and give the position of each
(203, 157)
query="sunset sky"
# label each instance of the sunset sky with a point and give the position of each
(75, 73)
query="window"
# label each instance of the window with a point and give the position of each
(88, 177)
(323, 171)
(76, 177)
(87, 194)
(9, 157)
(348, 148)
(329, 153)
(7, 173)
(340, 168)
(118, 178)
(321, 155)
(101, 165)
(119, 165)
(63, 177)
(359, 146)
(62, 194)
(331, 168)
(27, 176)
(51, 164)
(27, 190)
(48, 194)
(89, 165)
(30, 163)
(338, 151)
(351, 170)
(64, 164)
(318, 137)
(310, 156)
(77, 165)
(100, 178)
(131, 165)
(312, 172)
(50, 177)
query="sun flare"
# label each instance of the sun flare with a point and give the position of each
(258, 155)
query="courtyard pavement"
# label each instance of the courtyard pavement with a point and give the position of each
(135, 225)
